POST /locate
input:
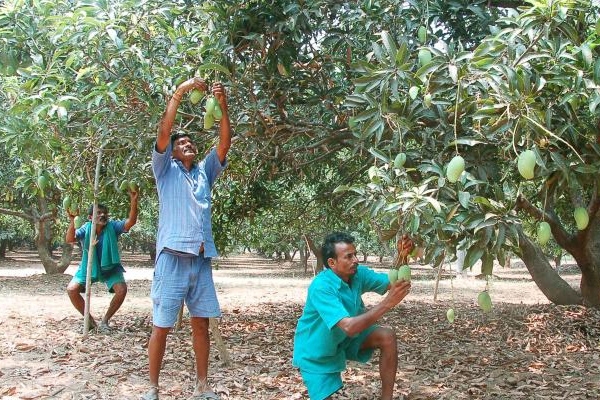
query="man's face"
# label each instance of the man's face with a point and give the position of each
(184, 149)
(101, 217)
(346, 263)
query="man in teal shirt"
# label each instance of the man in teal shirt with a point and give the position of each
(335, 326)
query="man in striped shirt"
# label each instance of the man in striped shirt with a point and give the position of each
(185, 244)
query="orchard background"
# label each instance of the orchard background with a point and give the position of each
(472, 126)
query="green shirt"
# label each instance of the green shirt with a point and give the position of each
(318, 343)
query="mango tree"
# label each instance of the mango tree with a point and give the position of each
(499, 135)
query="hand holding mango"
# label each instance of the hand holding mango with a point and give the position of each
(194, 83)
(397, 292)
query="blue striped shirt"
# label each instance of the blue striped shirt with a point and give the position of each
(184, 219)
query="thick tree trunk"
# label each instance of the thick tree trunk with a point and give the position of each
(557, 290)
(43, 241)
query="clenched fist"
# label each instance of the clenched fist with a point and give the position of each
(405, 246)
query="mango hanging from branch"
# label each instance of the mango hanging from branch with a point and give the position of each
(582, 218)
(455, 168)
(526, 164)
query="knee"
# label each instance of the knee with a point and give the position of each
(159, 334)
(120, 289)
(388, 339)
(73, 289)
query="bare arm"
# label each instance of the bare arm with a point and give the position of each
(354, 325)
(133, 210)
(224, 125)
(166, 123)
(70, 235)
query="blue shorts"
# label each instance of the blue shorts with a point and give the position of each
(178, 279)
(322, 385)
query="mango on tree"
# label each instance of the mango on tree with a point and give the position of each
(211, 103)
(209, 121)
(78, 221)
(124, 186)
(400, 160)
(526, 164)
(455, 168)
(424, 57)
(484, 301)
(543, 232)
(66, 202)
(393, 275)
(196, 95)
(582, 218)
(413, 92)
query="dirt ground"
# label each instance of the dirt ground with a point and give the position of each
(525, 348)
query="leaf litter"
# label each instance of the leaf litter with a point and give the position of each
(517, 351)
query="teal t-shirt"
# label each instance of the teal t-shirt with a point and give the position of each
(318, 343)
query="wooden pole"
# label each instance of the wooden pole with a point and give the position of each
(92, 248)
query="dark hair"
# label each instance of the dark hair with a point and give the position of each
(328, 248)
(100, 207)
(177, 135)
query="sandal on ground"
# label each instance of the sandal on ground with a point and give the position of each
(104, 328)
(151, 394)
(205, 396)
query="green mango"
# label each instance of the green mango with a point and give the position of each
(404, 273)
(400, 160)
(455, 168)
(582, 218)
(413, 92)
(393, 275)
(196, 95)
(424, 56)
(543, 233)
(217, 112)
(484, 301)
(209, 121)
(124, 186)
(450, 315)
(526, 164)
(211, 103)
(66, 202)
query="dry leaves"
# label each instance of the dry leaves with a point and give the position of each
(516, 352)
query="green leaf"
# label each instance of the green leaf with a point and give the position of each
(474, 253)
(389, 44)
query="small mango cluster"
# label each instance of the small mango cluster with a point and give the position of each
(212, 109)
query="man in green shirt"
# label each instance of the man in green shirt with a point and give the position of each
(335, 326)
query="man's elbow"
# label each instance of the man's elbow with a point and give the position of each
(348, 327)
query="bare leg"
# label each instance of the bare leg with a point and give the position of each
(201, 345)
(120, 290)
(384, 339)
(74, 290)
(156, 352)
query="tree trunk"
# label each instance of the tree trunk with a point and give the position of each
(303, 257)
(557, 290)
(3, 248)
(317, 252)
(43, 229)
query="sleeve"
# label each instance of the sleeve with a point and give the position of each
(118, 226)
(327, 303)
(80, 233)
(212, 166)
(377, 282)
(161, 161)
